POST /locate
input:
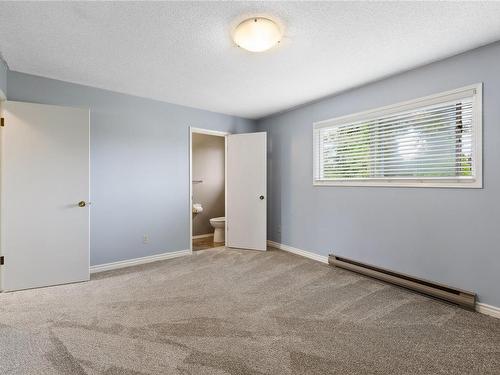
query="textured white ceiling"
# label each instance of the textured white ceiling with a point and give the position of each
(182, 52)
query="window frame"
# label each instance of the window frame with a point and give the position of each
(440, 182)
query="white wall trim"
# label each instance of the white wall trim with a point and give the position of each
(137, 261)
(293, 250)
(209, 132)
(203, 236)
(483, 308)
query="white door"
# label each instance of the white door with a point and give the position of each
(44, 171)
(246, 200)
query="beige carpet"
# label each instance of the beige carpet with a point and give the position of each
(240, 312)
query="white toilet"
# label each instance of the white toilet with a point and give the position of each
(219, 224)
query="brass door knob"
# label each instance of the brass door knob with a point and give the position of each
(82, 204)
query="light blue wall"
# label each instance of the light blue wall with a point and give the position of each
(3, 79)
(446, 235)
(139, 164)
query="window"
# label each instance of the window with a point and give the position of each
(432, 141)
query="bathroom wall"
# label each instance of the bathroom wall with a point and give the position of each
(208, 166)
(446, 235)
(139, 151)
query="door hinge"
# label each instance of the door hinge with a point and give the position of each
(2, 121)
(2, 261)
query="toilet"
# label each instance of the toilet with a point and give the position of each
(218, 223)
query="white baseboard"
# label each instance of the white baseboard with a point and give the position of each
(137, 261)
(304, 253)
(480, 307)
(488, 310)
(203, 236)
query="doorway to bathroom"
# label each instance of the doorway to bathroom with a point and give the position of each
(208, 188)
(227, 193)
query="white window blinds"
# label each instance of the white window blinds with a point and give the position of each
(432, 140)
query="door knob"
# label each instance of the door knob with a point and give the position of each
(261, 197)
(82, 203)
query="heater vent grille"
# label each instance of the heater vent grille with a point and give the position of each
(460, 297)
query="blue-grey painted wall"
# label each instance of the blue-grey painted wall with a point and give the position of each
(3, 79)
(446, 235)
(139, 164)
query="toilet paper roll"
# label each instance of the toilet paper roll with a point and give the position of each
(197, 208)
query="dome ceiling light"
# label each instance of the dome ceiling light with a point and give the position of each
(257, 34)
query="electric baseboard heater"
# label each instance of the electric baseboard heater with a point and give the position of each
(460, 297)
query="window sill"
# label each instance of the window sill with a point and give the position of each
(418, 183)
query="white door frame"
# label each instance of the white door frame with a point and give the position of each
(190, 198)
(2, 100)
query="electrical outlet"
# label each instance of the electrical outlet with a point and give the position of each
(145, 239)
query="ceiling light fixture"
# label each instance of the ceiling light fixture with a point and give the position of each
(257, 34)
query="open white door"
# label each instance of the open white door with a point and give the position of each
(246, 186)
(44, 214)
